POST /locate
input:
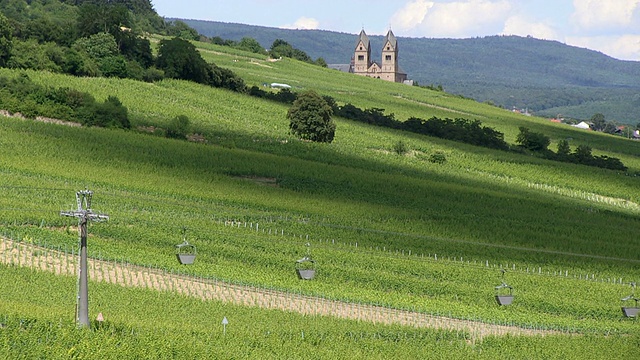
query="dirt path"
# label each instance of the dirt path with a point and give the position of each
(60, 263)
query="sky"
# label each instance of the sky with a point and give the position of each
(609, 26)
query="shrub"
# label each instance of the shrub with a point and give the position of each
(438, 157)
(32, 55)
(153, 74)
(114, 66)
(178, 127)
(400, 147)
(111, 113)
(532, 141)
(564, 150)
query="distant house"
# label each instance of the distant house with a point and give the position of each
(362, 64)
(636, 134)
(582, 125)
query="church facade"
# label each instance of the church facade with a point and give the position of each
(387, 68)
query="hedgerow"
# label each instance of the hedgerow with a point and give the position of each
(22, 96)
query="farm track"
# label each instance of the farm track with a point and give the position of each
(60, 263)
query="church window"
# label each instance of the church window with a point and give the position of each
(387, 57)
(360, 57)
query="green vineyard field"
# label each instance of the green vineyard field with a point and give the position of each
(388, 231)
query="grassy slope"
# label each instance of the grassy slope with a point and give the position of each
(482, 205)
(403, 101)
(144, 325)
(499, 179)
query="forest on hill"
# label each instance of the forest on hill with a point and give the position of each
(545, 77)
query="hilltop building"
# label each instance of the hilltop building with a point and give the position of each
(362, 64)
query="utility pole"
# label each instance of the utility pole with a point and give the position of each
(84, 215)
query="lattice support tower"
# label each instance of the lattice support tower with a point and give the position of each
(84, 215)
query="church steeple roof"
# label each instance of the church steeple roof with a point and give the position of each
(391, 39)
(364, 38)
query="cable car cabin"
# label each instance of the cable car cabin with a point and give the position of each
(501, 297)
(186, 253)
(306, 268)
(631, 312)
(504, 299)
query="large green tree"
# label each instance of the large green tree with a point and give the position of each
(281, 48)
(310, 118)
(101, 56)
(6, 31)
(598, 121)
(252, 45)
(181, 60)
(182, 30)
(103, 17)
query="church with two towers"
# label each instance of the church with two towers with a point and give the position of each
(362, 64)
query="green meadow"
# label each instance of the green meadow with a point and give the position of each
(386, 229)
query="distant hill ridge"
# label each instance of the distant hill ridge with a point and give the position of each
(546, 77)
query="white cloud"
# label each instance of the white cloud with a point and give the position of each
(602, 14)
(411, 15)
(610, 27)
(518, 25)
(624, 47)
(461, 18)
(303, 23)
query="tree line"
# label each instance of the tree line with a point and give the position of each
(538, 144)
(81, 38)
(316, 127)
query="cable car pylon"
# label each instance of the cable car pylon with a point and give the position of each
(84, 215)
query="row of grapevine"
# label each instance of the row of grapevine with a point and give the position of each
(43, 259)
(143, 323)
(455, 260)
(371, 300)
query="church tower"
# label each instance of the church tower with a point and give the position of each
(362, 56)
(362, 64)
(390, 67)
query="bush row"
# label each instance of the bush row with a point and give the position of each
(462, 130)
(21, 95)
(459, 129)
(538, 143)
